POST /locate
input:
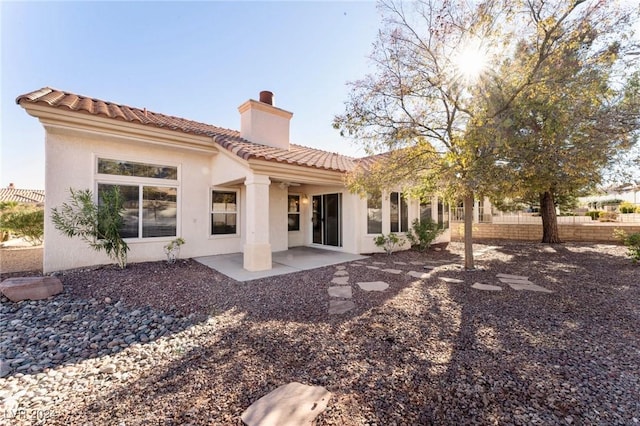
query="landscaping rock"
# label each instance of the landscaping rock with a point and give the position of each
(293, 404)
(30, 288)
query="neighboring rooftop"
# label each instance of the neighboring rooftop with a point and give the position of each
(228, 139)
(11, 193)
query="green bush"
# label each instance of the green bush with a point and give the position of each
(595, 214)
(423, 233)
(632, 241)
(627, 207)
(389, 242)
(22, 221)
(97, 225)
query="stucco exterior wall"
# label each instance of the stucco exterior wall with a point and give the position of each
(278, 234)
(70, 163)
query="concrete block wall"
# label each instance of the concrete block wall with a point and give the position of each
(533, 232)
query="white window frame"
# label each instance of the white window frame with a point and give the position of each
(211, 212)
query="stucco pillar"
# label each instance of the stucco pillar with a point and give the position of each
(257, 249)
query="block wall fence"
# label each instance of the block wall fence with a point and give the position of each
(533, 232)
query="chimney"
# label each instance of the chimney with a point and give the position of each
(11, 186)
(263, 123)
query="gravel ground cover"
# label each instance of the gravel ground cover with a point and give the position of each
(182, 344)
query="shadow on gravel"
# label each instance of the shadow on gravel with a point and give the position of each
(422, 352)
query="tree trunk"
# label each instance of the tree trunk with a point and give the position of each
(468, 229)
(550, 232)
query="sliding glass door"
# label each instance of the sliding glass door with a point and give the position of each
(327, 226)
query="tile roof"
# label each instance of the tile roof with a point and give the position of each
(22, 195)
(228, 139)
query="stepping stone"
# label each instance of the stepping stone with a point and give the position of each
(392, 271)
(373, 267)
(340, 280)
(429, 267)
(374, 286)
(341, 272)
(451, 280)
(343, 291)
(400, 263)
(515, 277)
(30, 288)
(341, 267)
(514, 281)
(549, 250)
(379, 263)
(488, 287)
(416, 262)
(530, 287)
(337, 307)
(289, 405)
(420, 275)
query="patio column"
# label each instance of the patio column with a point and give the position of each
(257, 248)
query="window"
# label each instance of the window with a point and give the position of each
(399, 213)
(224, 212)
(294, 212)
(149, 211)
(425, 211)
(130, 168)
(374, 213)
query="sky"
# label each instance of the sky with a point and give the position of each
(196, 60)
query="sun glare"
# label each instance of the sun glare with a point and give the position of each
(470, 62)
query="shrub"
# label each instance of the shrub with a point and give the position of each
(632, 242)
(423, 233)
(595, 214)
(27, 223)
(608, 217)
(96, 224)
(172, 250)
(627, 207)
(389, 242)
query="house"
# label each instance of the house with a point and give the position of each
(223, 191)
(22, 196)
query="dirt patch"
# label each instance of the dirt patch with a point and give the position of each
(19, 259)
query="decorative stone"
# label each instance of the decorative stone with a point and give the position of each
(343, 291)
(392, 271)
(419, 275)
(108, 369)
(487, 287)
(374, 286)
(340, 280)
(293, 404)
(529, 286)
(451, 280)
(337, 307)
(30, 288)
(340, 272)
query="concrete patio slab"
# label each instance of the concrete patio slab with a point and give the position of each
(487, 287)
(284, 262)
(343, 291)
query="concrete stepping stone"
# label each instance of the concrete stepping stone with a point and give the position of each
(338, 307)
(379, 263)
(416, 262)
(392, 271)
(529, 287)
(514, 281)
(487, 287)
(30, 288)
(293, 404)
(341, 272)
(340, 280)
(419, 275)
(400, 263)
(515, 277)
(343, 291)
(451, 280)
(373, 267)
(373, 286)
(340, 267)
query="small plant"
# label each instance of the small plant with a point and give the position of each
(627, 207)
(96, 224)
(423, 234)
(632, 241)
(21, 221)
(608, 217)
(172, 250)
(389, 242)
(595, 214)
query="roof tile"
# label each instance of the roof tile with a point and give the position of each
(228, 139)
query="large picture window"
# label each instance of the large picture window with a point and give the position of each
(149, 211)
(374, 213)
(294, 212)
(399, 213)
(224, 212)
